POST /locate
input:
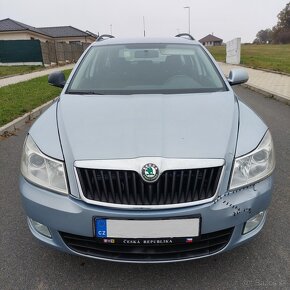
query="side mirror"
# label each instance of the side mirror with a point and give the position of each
(238, 76)
(57, 79)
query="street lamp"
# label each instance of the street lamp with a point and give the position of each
(144, 30)
(188, 7)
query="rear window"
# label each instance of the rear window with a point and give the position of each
(146, 69)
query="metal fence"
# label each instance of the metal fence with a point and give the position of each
(20, 51)
(36, 52)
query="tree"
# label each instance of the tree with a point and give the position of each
(264, 36)
(284, 18)
(281, 32)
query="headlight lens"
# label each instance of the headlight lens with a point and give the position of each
(41, 169)
(254, 166)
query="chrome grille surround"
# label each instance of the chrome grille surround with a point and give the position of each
(136, 164)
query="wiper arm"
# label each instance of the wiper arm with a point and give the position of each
(84, 93)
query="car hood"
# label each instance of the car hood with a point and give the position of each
(96, 127)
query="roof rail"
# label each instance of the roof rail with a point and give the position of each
(104, 37)
(188, 36)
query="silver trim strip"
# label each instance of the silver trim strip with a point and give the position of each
(136, 164)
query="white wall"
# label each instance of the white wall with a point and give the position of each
(234, 51)
(14, 36)
(11, 35)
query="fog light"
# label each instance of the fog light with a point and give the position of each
(40, 228)
(253, 222)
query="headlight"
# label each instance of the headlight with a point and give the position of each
(41, 169)
(254, 166)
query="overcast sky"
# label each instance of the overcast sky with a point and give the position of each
(227, 19)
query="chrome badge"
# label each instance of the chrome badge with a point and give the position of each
(150, 172)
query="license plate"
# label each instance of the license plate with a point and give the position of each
(144, 229)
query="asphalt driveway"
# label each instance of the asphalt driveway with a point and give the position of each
(263, 263)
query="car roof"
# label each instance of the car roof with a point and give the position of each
(173, 40)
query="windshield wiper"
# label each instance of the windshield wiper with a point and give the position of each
(84, 93)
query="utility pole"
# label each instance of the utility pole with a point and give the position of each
(188, 7)
(111, 29)
(144, 26)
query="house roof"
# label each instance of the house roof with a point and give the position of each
(63, 31)
(55, 32)
(92, 34)
(12, 25)
(210, 38)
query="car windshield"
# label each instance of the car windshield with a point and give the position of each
(146, 69)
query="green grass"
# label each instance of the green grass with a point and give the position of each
(218, 52)
(18, 99)
(18, 69)
(271, 57)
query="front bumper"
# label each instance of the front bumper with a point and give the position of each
(72, 216)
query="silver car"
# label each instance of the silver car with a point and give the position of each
(147, 156)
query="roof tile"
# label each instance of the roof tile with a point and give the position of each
(210, 38)
(57, 31)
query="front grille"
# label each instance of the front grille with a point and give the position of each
(128, 187)
(204, 245)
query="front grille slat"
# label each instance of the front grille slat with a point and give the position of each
(188, 185)
(119, 192)
(104, 185)
(127, 187)
(135, 197)
(209, 183)
(165, 195)
(180, 186)
(202, 184)
(113, 194)
(90, 191)
(173, 195)
(194, 192)
(80, 174)
(98, 192)
(216, 180)
(143, 200)
(158, 196)
(150, 194)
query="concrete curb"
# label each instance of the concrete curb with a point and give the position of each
(10, 128)
(267, 94)
(21, 74)
(260, 85)
(38, 70)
